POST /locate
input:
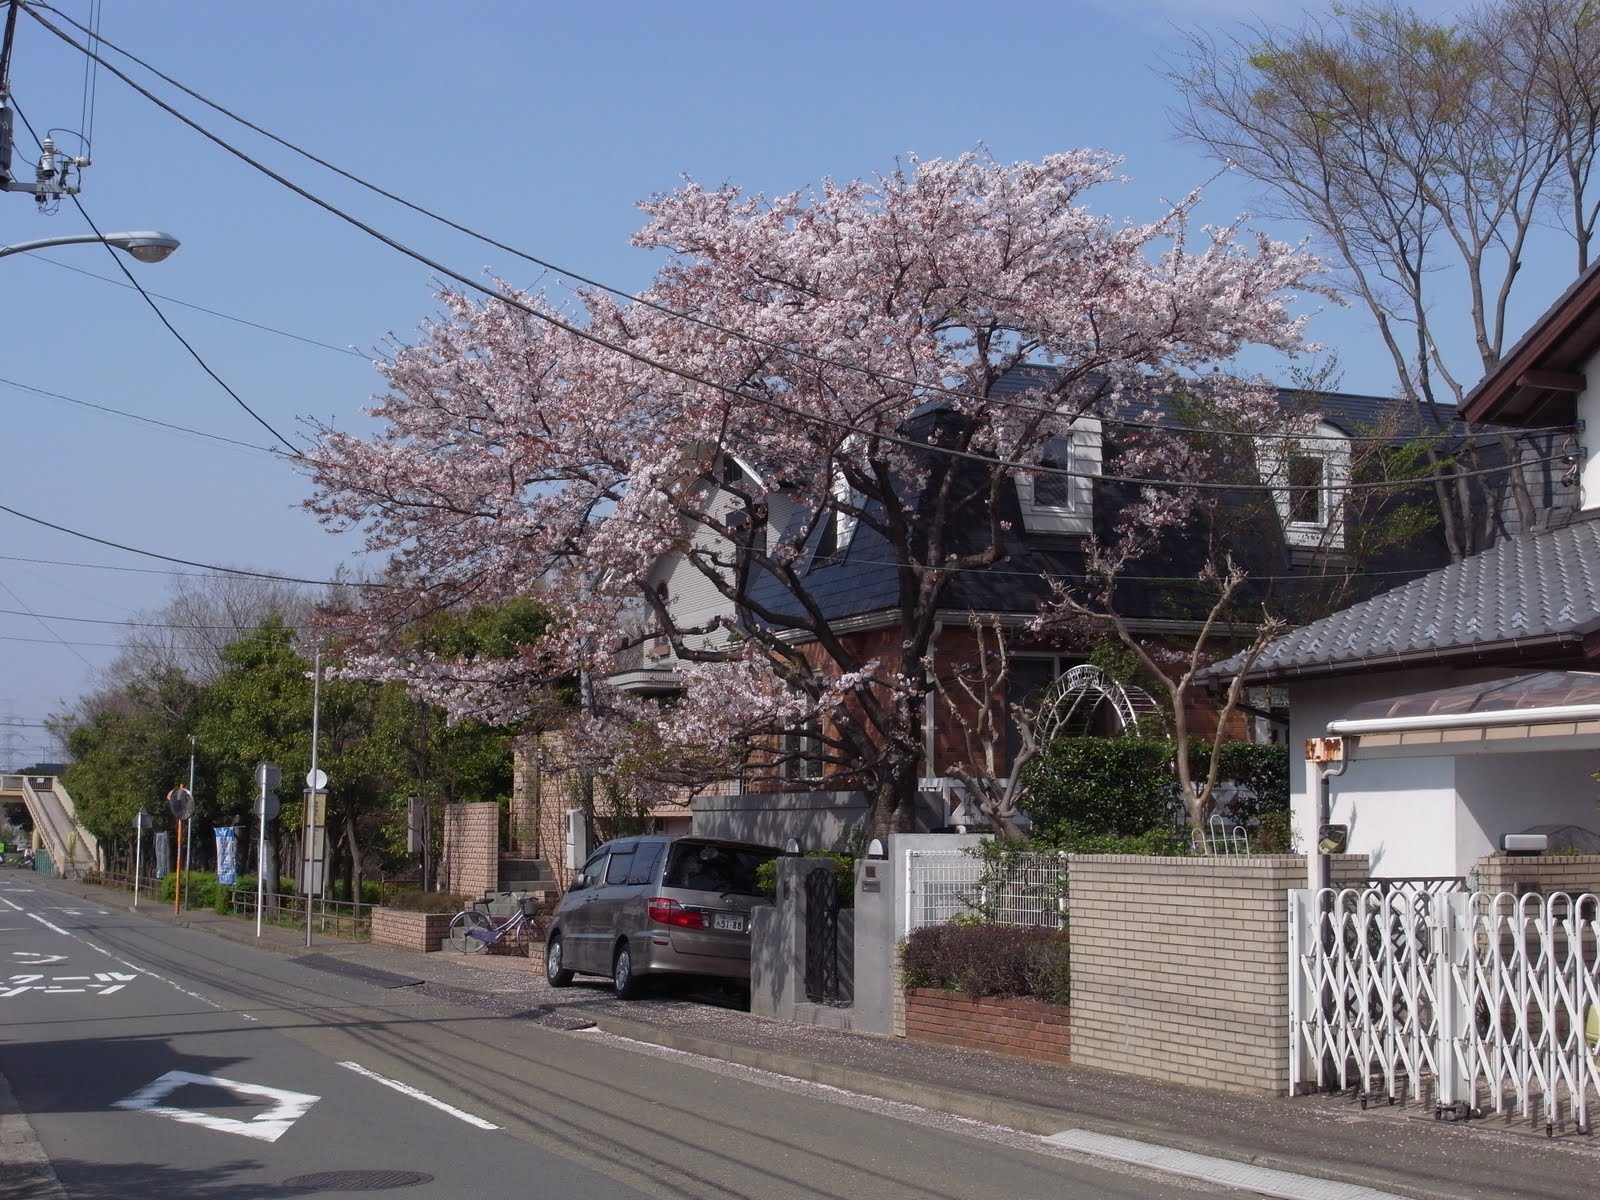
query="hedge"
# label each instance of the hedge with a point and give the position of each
(990, 960)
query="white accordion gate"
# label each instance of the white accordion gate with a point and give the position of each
(1480, 1002)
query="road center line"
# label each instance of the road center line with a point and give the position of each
(415, 1094)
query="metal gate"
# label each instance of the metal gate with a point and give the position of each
(1479, 1002)
(822, 936)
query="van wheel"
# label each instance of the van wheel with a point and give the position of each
(624, 982)
(555, 974)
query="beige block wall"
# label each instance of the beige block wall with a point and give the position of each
(1180, 966)
(472, 848)
(1545, 873)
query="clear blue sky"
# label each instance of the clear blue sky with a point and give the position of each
(540, 123)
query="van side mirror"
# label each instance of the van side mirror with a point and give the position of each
(579, 882)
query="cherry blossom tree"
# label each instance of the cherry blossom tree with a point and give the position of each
(847, 342)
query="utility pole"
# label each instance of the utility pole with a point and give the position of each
(52, 177)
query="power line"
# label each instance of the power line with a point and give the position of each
(210, 312)
(576, 331)
(156, 308)
(56, 562)
(132, 416)
(567, 272)
(10, 612)
(99, 541)
(28, 612)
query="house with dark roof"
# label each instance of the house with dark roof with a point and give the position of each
(1468, 700)
(1297, 542)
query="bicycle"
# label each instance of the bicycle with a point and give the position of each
(474, 931)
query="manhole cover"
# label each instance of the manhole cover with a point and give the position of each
(357, 1181)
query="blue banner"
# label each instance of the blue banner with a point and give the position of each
(227, 856)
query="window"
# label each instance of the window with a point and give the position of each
(802, 753)
(1307, 490)
(645, 862)
(709, 867)
(621, 863)
(1054, 502)
(1306, 476)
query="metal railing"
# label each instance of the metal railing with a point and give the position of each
(338, 918)
(1023, 888)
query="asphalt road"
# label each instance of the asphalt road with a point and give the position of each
(155, 1061)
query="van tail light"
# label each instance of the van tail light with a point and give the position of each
(670, 912)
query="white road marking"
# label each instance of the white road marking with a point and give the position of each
(266, 1127)
(124, 962)
(1261, 1180)
(415, 1094)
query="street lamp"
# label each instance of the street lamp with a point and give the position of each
(146, 245)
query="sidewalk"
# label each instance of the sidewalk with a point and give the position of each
(1401, 1150)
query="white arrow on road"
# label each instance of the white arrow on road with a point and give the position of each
(288, 1107)
(35, 959)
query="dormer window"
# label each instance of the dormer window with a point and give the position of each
(1307, 477)
(1060, 498)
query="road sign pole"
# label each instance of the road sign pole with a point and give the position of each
(311, 848)
(138, 860)
(177, 888)
(267, 777)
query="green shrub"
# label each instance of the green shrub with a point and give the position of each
(1116, 786)
(1274, 834)
(1166, 841)
(844, 874)
(1261, 768)
(200, 890)
(990, 960)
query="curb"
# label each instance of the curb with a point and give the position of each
(25, 1170)
(994, 1110)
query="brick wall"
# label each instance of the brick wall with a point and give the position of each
(421, 932)
(1546, 873)
(1019, 1027)
(472, 848)
(1180, 966)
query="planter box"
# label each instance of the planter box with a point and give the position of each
(1016, 1026)
(422, 932)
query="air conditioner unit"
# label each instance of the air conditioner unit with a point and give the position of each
(576, 846)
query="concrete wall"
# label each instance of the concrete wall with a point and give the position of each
(818, 820)
(1180, 966)
(472, 848)
(778, 952)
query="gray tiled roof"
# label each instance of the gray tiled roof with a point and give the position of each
(1530, 596)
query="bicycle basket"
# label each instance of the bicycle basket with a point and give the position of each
(530, 906)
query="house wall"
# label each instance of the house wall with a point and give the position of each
(1407, 832)
(1588, 413)
(472, 848)
(1511, 793)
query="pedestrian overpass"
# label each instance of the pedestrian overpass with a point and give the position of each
(55, 822)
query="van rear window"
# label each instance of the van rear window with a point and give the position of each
(704, 867)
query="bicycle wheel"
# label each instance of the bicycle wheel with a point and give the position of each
(464, 925)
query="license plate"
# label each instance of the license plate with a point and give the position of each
(731, 921)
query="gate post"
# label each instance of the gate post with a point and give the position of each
(1302, 906)
(1454, 934)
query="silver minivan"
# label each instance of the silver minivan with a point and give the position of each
(655, 905)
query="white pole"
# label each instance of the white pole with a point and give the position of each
(310, 829)
(138, 860)
(261, 850)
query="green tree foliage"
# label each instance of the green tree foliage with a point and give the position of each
(1085, 794)
(1121, 786)
(129, 748)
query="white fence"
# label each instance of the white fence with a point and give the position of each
(1486, 1001)
(1019, 889)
